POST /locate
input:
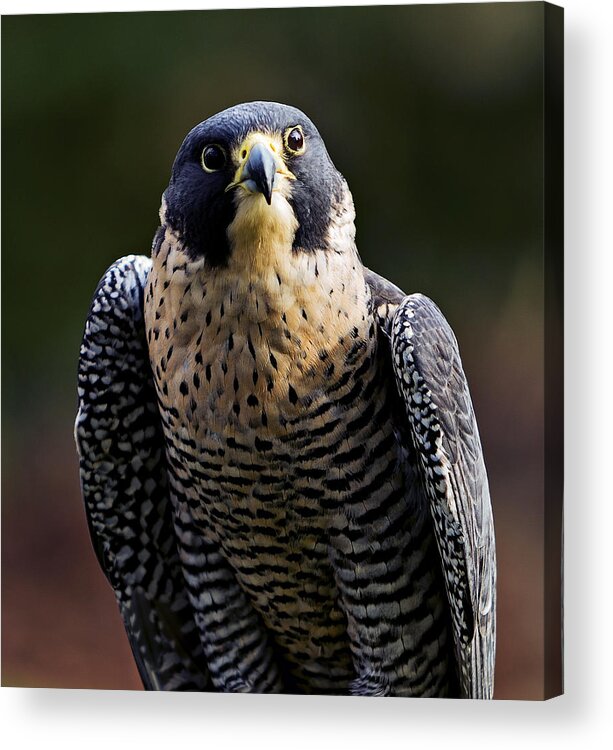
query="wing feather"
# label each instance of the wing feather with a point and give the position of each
(125, 486)
(443, 427)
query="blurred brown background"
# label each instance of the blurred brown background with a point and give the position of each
(435, 116)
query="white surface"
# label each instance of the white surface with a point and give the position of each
(90, 719)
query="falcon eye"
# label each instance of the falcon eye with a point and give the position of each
(213, 158)
(294, 140)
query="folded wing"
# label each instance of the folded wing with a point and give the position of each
(443, 428)
(125, 485)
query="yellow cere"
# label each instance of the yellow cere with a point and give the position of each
(240, 155)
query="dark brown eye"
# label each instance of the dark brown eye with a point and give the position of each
(213, 158)
(294, 140)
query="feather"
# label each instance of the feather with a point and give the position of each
(125, 485)
(444, 433)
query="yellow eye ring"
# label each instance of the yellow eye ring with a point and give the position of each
(294, 140)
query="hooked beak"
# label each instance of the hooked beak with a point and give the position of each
(257, 173)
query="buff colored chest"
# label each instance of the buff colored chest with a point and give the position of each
(267, 388)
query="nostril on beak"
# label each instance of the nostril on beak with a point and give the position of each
(260, 169)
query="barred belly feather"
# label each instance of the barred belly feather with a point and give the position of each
(278, 411)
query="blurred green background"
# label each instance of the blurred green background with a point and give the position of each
(434, 114)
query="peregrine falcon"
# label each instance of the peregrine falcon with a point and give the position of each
(279, 458)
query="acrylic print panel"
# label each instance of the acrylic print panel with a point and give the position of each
(446, 123)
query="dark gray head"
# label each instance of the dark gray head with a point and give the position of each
(267, 151)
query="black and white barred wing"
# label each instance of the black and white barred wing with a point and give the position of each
(124, 484)
(432, 384)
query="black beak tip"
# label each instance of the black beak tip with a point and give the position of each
(261, 168)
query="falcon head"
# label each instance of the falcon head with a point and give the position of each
(253, 174)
